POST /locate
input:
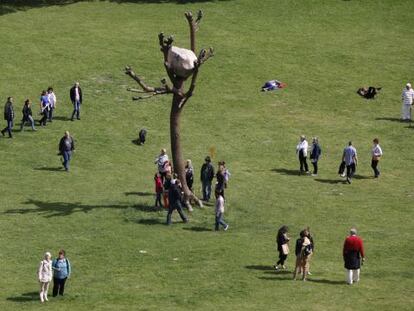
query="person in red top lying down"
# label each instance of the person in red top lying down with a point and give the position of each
(354, 255)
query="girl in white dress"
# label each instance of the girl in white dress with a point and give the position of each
(45, 275)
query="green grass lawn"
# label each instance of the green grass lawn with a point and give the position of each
(101, 212)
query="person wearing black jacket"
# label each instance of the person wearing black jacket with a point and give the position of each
(175, 198)
(76, 98)
(206, 176)
(282, 241)
(66, 146)
(8, 116)
(27, 115)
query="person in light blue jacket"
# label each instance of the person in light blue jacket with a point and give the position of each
(61, 272)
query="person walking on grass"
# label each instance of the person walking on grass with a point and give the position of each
(302, 151)
(376, 153)
(354, 256)
(27, 115)
(61, 272)
(52, 102)
(45, 275)
(206, 177)
(175, 199)
(66, 146)
(303, 250)
(282, 241)
(158, 189)
(315, 154)
(44, 108)
(351, 161)
(76, 98)
(9, 117)
(220, 211)
(407, 98)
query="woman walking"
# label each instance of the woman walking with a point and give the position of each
(282, 241)
(45, 276)
(27, 115)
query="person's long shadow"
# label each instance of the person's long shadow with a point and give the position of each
(139, 193)
(260, 267)
(151, 221)
(330, 181)
(198, 229)
(25, 297)
(362, 177)
(323, 281)
(285, 171)
(62, 118)
(50, 169)
(388, 119)
(54, 209)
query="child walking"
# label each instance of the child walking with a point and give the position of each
(158, 189)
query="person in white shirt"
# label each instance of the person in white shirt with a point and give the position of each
(407, 97)
(76, 98)
(162, 162)
(52, 102)
(220, 211)
(376, 153)
(45, 275)
(302, 151)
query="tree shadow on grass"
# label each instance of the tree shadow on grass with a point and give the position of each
(198, 229)
(54, 209)
(285, 171)
(25, 297)
(330, 181)
(139, 193)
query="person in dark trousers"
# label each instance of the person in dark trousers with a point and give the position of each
(189, 175)
(9, 117)
(142, 135)
(351, 160)
(206, 177)
(302, 152)
(315, 154)
(76, 98)
(158, 189)
(27, 115)
(61, 272)
(282, 241)
(44, 108)
(52, 102)
(220, 212)
(376, 153)
(175, 199)
(66, 146)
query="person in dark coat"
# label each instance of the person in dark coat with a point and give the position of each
(66, 146)
(282, 241)
(8, 116)
(142, 135)
(189, 175)
(175, 199)
(315, 154)
(76, 98)
(354, 255)
(44, 108)
(206, 177)
(27, 115)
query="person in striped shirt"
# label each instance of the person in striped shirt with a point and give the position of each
(407, 97)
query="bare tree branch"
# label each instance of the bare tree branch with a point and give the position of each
(193, 27)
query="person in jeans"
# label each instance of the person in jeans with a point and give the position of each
(175, 198)
(302, 151)
(282, 241)
(407, 98)
(351, 160)
(52, 102)
(76, 98)
(353, 253)
(315, 154)
(66, 146)
(44, 108)
(61, 272)
(206, 177)
(8, 116)
(220, 211)
(27, 115)
(376, 153)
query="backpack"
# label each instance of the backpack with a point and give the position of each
(307, 250)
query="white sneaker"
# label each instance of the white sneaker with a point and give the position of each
(314, 175)
(343, 175)
(226, 227)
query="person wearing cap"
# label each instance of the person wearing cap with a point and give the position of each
(206, 177)
(76, 98)
(61, 272)
(407, 97)
(351, 160)
(302, 151)
(45, 275)
(354, 255)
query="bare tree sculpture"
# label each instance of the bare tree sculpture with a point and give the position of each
(173, 59)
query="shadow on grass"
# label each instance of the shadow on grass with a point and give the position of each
(50, 169)
(389, 119)
(362, 177)
(31, 296)
(267, 278)
(323, 281)
(12, 6)
(139, 193)
(61, 118)
(198, 229)
(285, 171)
(330, 181)
(53, 209)
(152, 221)
(260, 267)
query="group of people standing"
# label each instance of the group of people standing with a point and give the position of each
(353, 253)
(168, 187)
(349, 157)
(58, 269)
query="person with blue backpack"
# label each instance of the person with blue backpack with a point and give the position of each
(61, 272)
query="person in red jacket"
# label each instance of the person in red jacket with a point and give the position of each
(159, 189)
(353, 256)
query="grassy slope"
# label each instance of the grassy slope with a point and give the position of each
(324, 50)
